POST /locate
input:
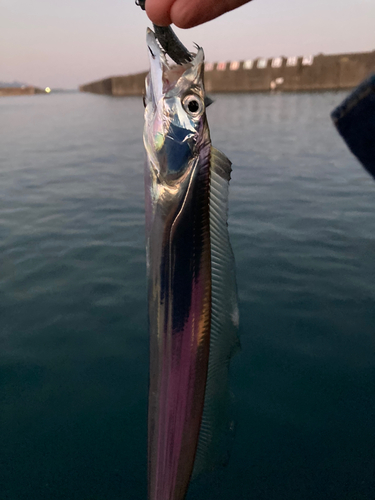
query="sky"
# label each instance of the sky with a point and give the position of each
(70, 42)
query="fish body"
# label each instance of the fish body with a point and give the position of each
(193, 311)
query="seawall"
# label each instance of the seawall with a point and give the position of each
(8, 91)
(288, 74)
(117, 85)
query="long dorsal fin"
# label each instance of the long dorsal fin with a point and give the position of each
(224, 342)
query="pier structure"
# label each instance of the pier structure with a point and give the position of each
(289, 74)
(26, 90)
(117, 85)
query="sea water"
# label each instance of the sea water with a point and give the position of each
(73, 303)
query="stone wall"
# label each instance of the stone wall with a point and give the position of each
(100, 86)
(7, 91)
(129, 85)
(309, 73)
(288, 74)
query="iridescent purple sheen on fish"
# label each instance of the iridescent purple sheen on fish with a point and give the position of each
(180, 270)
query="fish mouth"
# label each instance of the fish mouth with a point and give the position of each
(164, 75)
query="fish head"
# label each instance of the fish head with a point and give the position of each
(175, 114)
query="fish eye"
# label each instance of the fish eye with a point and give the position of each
(193, 105)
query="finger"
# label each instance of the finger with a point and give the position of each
(189, 13)
(159, 11)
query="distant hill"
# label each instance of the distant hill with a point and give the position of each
(12, 84)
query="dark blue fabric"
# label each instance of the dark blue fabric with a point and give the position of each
(355, 121)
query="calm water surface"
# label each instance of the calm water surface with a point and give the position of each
(73, 325)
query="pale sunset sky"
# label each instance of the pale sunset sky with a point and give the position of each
(70, 42)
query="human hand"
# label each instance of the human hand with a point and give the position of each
(188, 13)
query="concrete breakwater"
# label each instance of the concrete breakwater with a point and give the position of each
(117, 85)
(8, 91)
(288, 74)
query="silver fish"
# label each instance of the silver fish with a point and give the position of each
(193, 313)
